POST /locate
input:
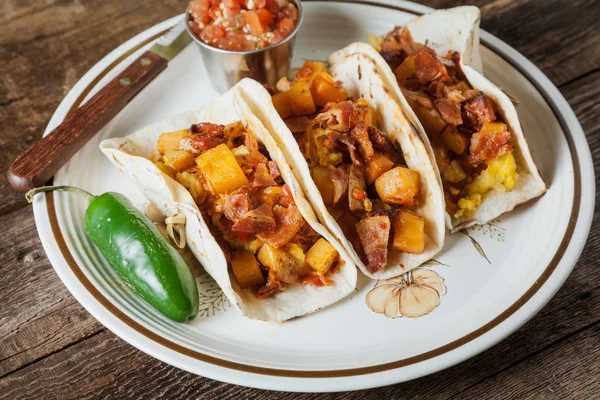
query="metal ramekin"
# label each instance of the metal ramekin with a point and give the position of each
(266, 65)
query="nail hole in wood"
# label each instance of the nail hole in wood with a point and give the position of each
(124, 81)
(146, 61)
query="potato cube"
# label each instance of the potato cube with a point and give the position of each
(246, 270)
(281, 102)
(322, 178)
(310, 69)
(193, 183)
(221, 170)
(456, 141)
(180, 160)
(442, 156)
(166, 169)
(323, 90)
(454, 173)
(409, 232)
(406, 69)
(282, 265)
(378, 165)
(399, 186)
(322, 256)
(170, 140)
(301, 100)
(430, 118)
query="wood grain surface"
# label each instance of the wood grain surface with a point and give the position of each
(50, 347)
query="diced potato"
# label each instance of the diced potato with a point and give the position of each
(406, 69)
(296, 251)
(180, 160)
(497, 128)
(282, 264)
(269, 195)
(323, 90)
(193, 184)
(170, 140)
(301, 100)
(221, 170)
(399, 186)
(322, 178)
(430, 118)
(166, 169)
(378, 165)
(456, 141)
(322, 256)
(409, 232)
(246, 270)
(310, 69)
(454, 173)
(253, 245)
(281, 102)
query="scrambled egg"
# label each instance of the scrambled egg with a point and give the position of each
(501, 173)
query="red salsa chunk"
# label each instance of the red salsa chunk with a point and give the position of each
(241, 25)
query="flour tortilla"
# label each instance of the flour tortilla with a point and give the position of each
(134, 156)
(457, 29)
(360, 78)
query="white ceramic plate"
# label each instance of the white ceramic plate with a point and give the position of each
(531, 251)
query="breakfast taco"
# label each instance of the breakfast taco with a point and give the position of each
(364, 168)
(246, 217)
(480, 150)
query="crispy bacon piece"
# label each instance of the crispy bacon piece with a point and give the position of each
(273, 169)
(287, 198)
(361, 135)
(288, 223)
(487, 145)
(356, 182)
(206, 135)
(297, 124)
(252, 146)
(478, 110)
(393, 58)
(348, 144)
(306, 236)
(455, 57)
(429, 68)
(374, 233)
(262, 177)
(339, 179)
(238, 203)
(256, 221)
(450, 111)
(338, 117)
(380, 143)
(270, 287)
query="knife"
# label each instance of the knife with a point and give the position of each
(44, 158)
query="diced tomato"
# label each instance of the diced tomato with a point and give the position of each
(288, 193)
(286, 24)
(199, 10)
(219, 32)
(258, 4)
(214, 13)
(265, 18)
(243, 236)
(253, 22)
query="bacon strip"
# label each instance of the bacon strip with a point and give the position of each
(206, 136)
(238, 203)
(374, 233)
(262, 177)
(450, 111)
(478, 111)
(429, 68)
(339, 179)
(356, 183)
(338, 117)
(256, 221)
(487, 145)
(361, 135)
(288, 223)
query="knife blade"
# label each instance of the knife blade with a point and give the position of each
(44, 158)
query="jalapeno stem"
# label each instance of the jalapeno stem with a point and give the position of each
(29, 195)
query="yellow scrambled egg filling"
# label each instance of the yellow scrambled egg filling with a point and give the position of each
(500, 173)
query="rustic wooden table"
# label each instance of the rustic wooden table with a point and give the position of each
(50, 347)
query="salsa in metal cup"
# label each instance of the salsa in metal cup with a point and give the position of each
(242, 25)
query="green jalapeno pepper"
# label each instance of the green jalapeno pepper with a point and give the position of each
(138, 252)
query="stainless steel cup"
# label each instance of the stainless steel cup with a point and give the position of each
(266, 65)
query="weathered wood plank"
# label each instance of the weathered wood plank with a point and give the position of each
(45, 47)
(38, 314)
(575, 376)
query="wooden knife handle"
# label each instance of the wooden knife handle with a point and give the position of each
(44, 158)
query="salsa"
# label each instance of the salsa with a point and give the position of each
(242, 25)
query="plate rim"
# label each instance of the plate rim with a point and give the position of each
(579, 156)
